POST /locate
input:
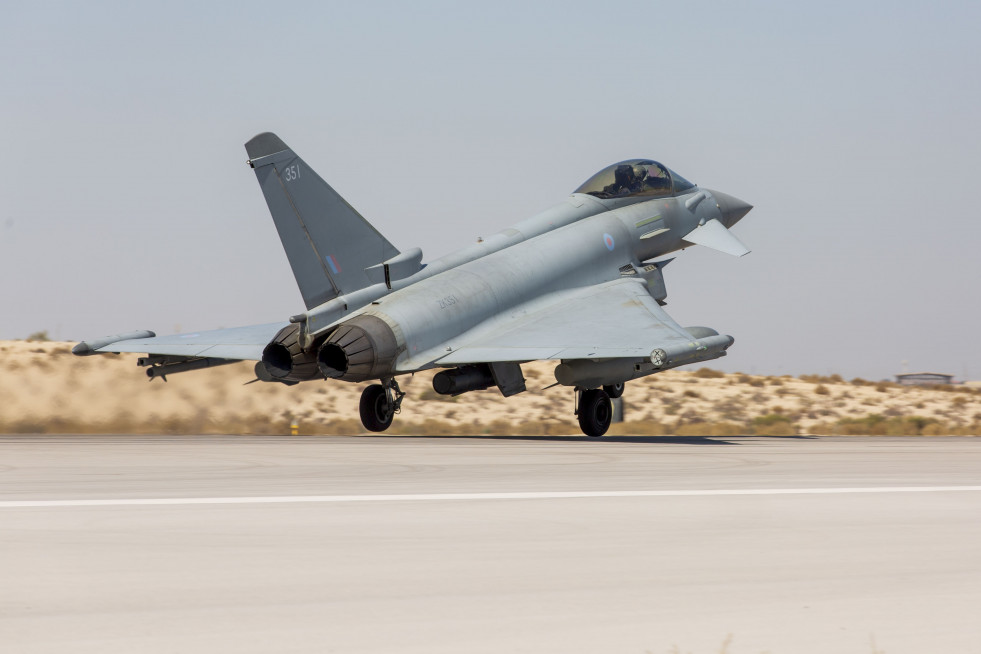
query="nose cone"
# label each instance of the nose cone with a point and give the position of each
(732, 208)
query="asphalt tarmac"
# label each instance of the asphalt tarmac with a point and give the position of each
(490, 544)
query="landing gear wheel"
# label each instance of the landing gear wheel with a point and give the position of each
(614, 390)
(595, 412)
(376, 410)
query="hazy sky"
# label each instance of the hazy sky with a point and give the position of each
(853, 127)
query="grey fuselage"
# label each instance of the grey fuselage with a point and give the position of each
(580, 242)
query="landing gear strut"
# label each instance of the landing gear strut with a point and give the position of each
(595, 411)
(380, 403)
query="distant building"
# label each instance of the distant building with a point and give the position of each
(924, 379)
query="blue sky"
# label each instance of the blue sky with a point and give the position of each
(851, 126)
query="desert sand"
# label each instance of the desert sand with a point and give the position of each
(45, 389)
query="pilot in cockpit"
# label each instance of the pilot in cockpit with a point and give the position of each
(625, 181)
(657, 178)
(635, 178)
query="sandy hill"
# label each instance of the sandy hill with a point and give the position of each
(44, 389)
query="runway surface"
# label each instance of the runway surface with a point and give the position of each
(489, 544)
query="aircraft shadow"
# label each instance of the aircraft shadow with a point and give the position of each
(652, 440)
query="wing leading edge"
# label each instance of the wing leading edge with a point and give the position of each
(241, 343)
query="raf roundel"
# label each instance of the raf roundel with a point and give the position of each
(609, 242)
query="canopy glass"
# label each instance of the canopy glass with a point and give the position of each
(635, 178)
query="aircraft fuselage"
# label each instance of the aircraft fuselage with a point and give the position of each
(577, 243)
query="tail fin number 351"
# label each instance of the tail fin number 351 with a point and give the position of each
(291, 173)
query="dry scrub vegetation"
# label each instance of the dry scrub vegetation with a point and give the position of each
(44, 389)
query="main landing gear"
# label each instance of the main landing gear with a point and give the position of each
(595, 410)
(380, 403)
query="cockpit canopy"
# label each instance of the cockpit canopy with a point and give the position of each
(635, 178)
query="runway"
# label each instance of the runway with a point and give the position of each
(489, 544)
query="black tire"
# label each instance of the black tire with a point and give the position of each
(376, 414)
(615, 390)
(595, 412)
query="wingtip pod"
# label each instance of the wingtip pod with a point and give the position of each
(263, 145)
(86, 348)
(702, 348)
(593, 373)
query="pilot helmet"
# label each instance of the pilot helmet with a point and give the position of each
(623, 173)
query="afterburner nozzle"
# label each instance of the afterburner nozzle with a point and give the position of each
(360, 349)
(285, 359)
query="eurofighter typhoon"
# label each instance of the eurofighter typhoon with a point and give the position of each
(578, 284)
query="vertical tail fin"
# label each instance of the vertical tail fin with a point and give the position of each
(328, 243)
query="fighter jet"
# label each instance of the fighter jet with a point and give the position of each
(581, 284)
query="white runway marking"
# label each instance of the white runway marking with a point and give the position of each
(442, 497)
